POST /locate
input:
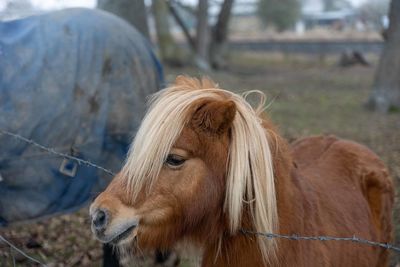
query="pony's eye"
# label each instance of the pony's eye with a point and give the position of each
(174, 160)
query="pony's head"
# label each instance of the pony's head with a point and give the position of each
(199, 163)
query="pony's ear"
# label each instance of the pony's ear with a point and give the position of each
(214, 116)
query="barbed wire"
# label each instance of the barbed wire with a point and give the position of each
(326, 238)
(267, 235)
(55, 152)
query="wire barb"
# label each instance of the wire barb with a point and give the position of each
(54, 152)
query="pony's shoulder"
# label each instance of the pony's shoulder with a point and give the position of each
(308, 149)
(323, 147)
(324, 154)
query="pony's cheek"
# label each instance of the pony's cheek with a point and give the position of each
(191, 181)
(159, 210)
(157, 216)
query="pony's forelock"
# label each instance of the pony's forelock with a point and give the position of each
(250, 179)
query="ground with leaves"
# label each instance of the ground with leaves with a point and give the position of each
(307, 96)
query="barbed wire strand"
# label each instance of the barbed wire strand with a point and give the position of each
(11, 245)
(55, 152)
(267, 235)
(326, 238)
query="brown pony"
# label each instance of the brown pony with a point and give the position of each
(204, 165)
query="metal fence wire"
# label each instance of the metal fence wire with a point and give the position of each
(293, 237)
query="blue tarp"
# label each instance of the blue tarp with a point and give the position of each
(75, 80)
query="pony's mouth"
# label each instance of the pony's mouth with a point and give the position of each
(118, 235)
(122, 236)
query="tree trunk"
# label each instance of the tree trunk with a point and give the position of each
(169, 51)
(181, 23)
(385, 94)
(202, 36)
(133, 11)
(219, 35)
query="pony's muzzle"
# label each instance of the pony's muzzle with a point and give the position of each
(100, 220)
(112, 221)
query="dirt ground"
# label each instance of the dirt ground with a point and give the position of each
(308, 95)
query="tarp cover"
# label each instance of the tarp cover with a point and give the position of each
(75, 80)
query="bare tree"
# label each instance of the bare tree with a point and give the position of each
(209, 43)
(169, 51)
(202, 36)
(386, 89)
(181, 23)
(219, 35)
(133, 11)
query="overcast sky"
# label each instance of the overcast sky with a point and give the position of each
(57, 4)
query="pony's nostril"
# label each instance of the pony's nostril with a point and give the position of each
(100, 219)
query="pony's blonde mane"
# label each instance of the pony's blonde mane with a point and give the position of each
(250, 178)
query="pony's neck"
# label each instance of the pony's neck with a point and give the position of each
(235, 251)
(242, 249)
